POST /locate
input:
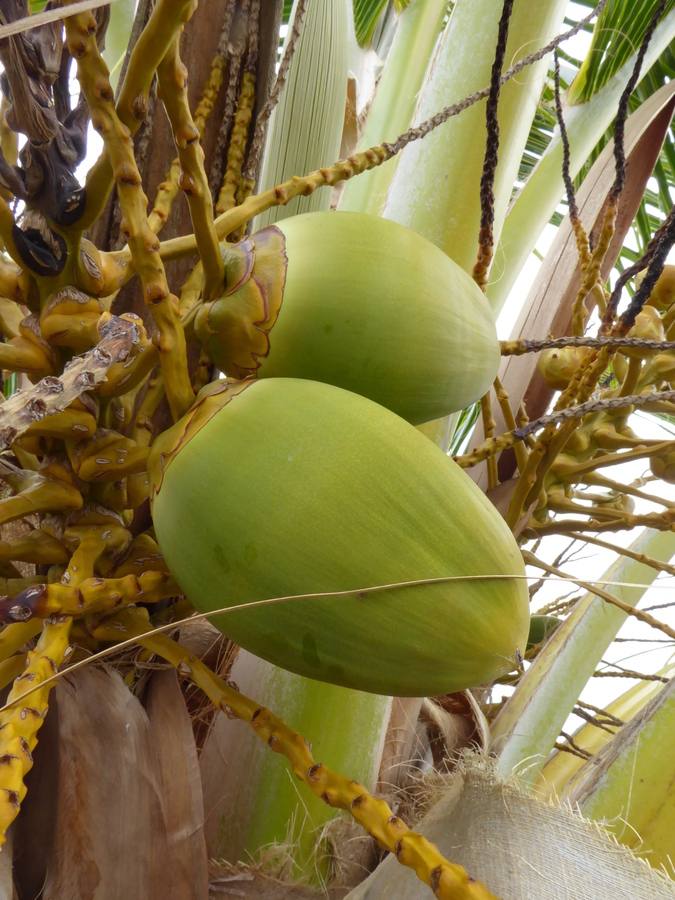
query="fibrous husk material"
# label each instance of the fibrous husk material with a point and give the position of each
(241, 881)
(520, 848)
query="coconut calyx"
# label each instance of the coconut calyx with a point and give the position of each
(244, 315)
(210, 400)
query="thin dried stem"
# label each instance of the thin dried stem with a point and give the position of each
(487, 179)
(489, 428)
(638, 614)
(625, 551)
(630, 673)
(492, 446)
(522, 346)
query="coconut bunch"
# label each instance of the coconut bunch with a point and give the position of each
(298, 475)
(241, 443)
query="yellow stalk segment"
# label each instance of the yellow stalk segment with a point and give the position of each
(166, 194)
(15, 635)
(143, 244)
(19, 724)
(209, 93)
(191, 290)
(591, 273)
(143, 428)
(36, 494)
(165, 23)
(93, 595)
(37, 547)
(489, 429)
(172, 78)
(447, 880)
(12, 282)
(277, 196)
(168, 189)
(238, 140)
(503, 400)
(11, 668)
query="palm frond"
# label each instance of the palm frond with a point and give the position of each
(617, 35)
(658, 198)
(367, 14)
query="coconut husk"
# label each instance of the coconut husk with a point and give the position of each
(521, 848)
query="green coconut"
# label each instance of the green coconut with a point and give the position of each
(541, 628)
(362, 303)
(281, 487)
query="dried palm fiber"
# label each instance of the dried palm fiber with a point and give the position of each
(520, 848)
(306, 127)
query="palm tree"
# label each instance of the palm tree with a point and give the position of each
(454, 139)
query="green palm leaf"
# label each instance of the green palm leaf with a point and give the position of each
(606, 54)
(617, 35)
(367, 14)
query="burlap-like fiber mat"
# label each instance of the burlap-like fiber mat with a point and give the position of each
(520, 848)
